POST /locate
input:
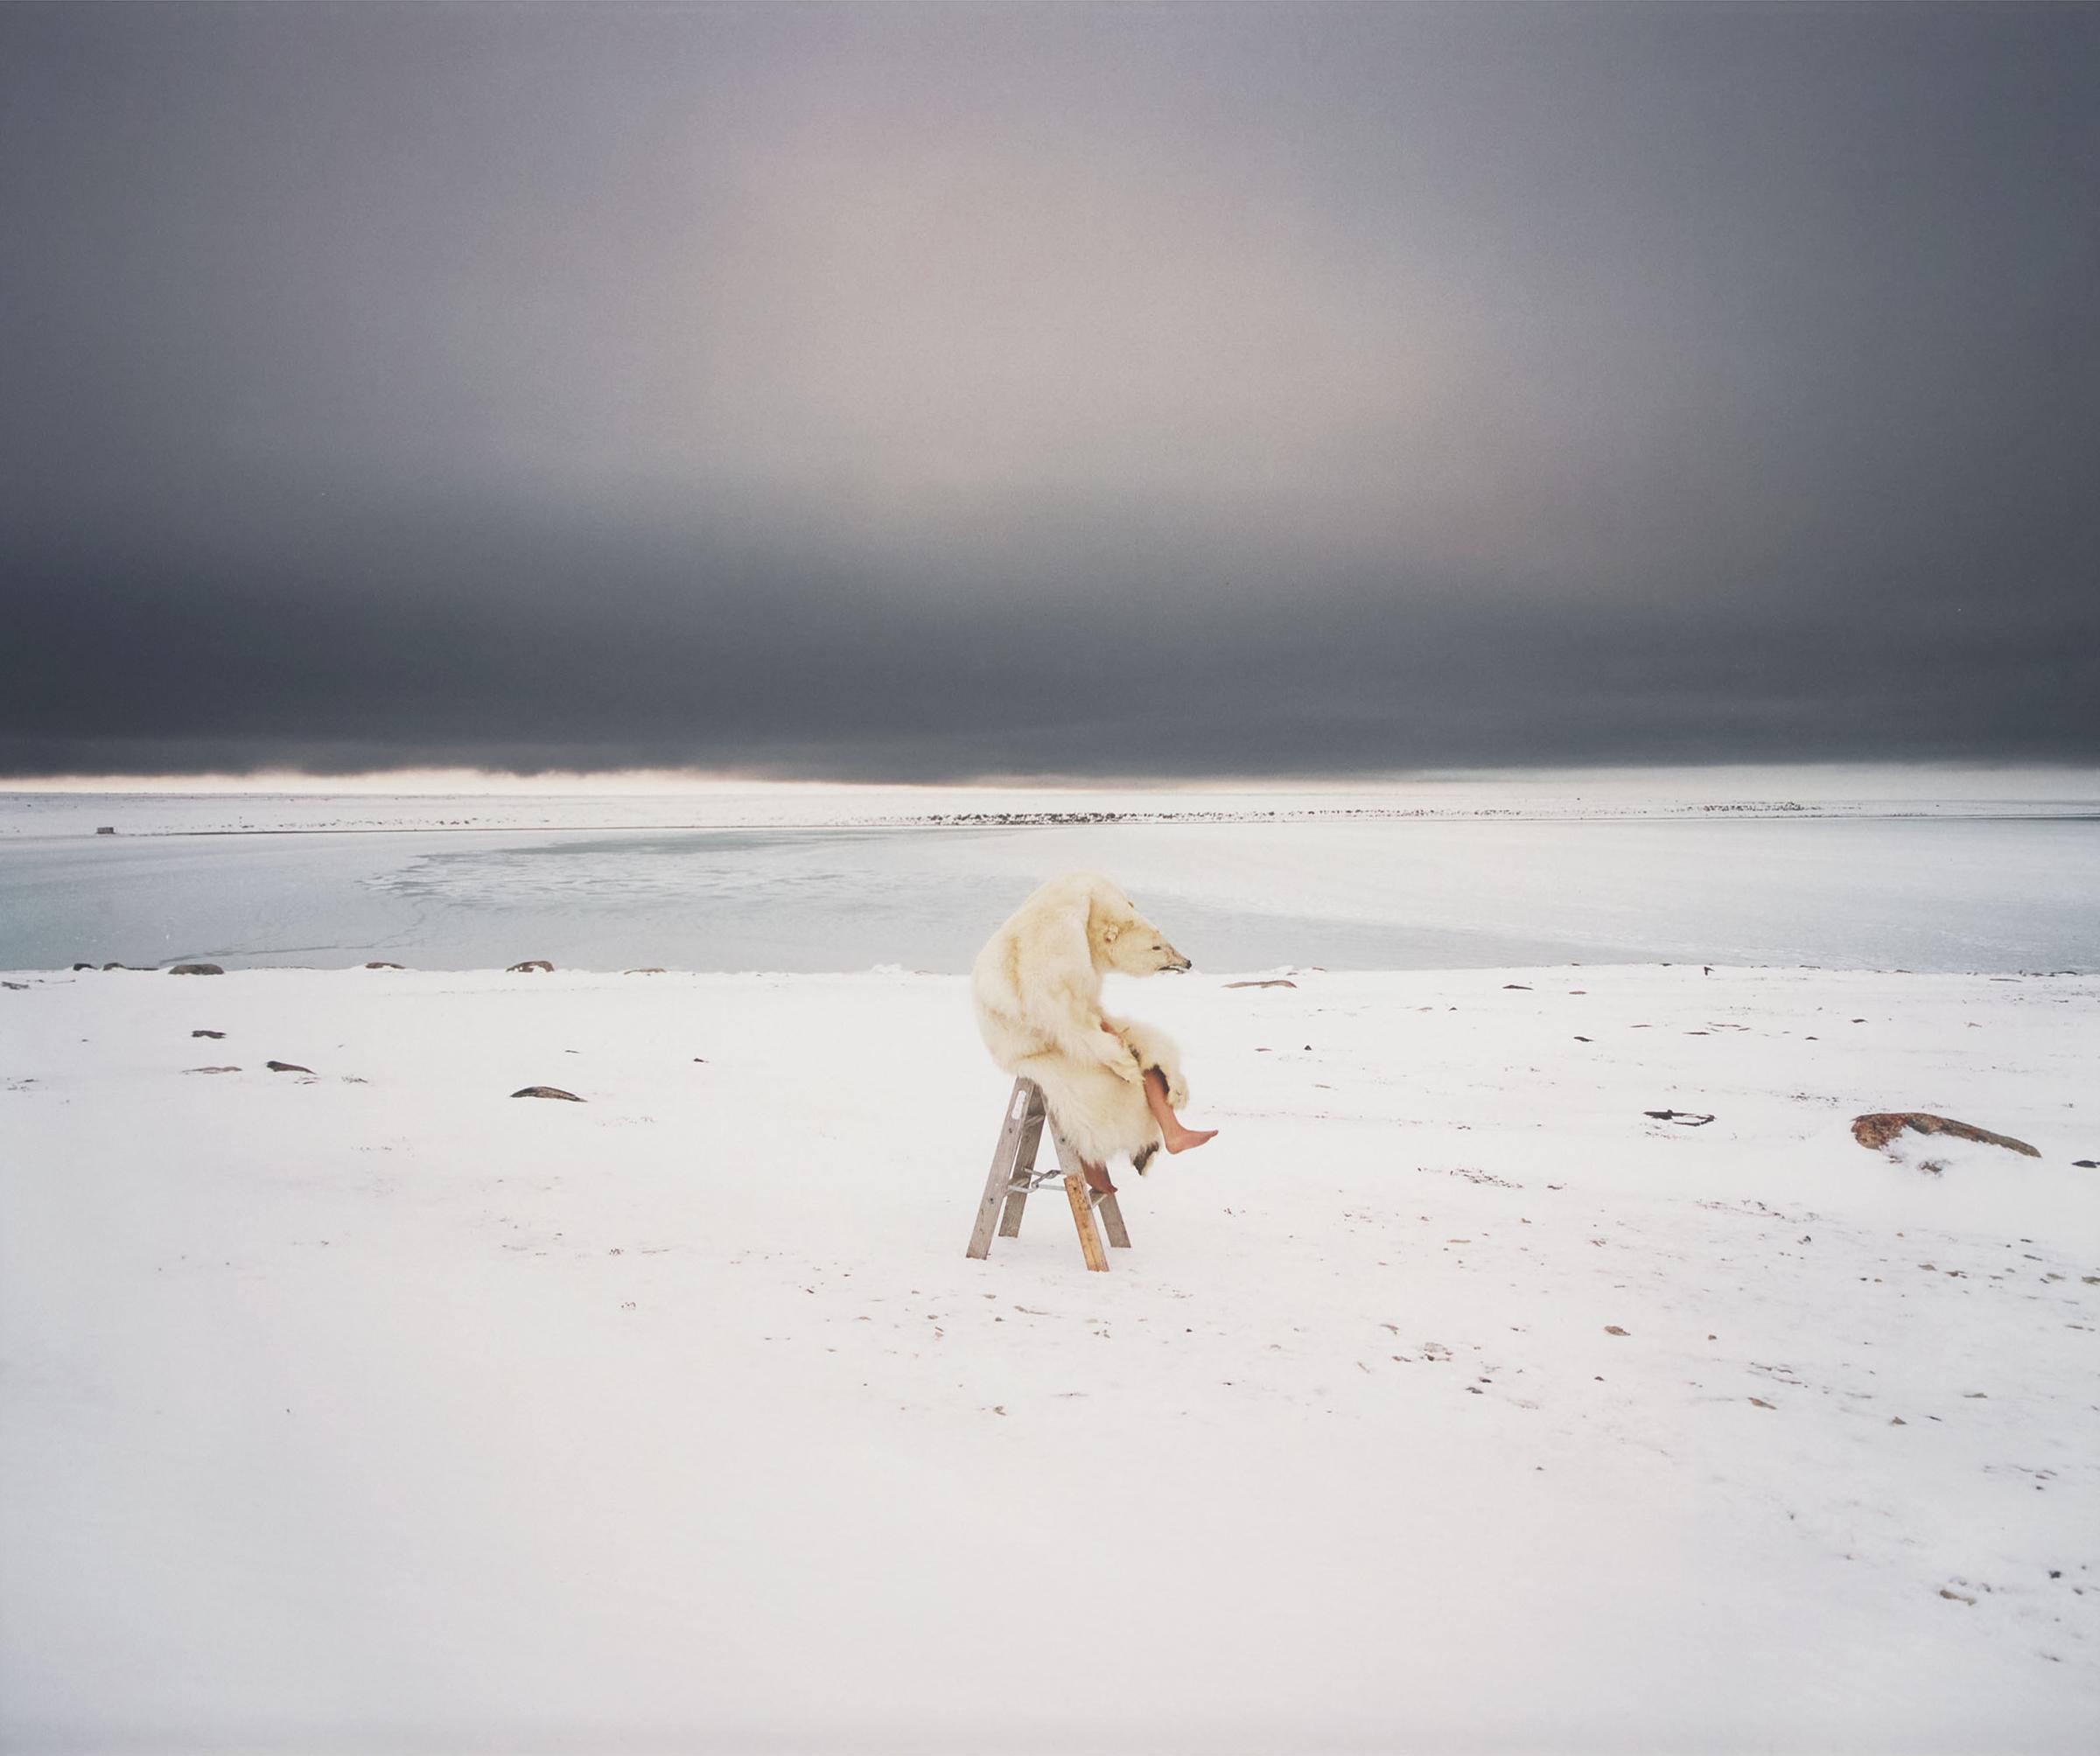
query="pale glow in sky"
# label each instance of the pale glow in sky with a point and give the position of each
(2073, 785)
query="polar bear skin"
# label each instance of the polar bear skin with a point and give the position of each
(1037, 991)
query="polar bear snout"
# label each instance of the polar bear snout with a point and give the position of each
(1145, 955)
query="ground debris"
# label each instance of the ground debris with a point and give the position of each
(546, 1091)
(1883, 1126)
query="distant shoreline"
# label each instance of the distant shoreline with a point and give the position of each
(1050, 819)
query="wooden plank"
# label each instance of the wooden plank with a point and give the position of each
(1111, 1219)
(1072, 1164)
(1001, 1169)
(1024, 1162)
(1083, 1217)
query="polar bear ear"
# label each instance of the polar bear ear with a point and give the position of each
(1108, 932)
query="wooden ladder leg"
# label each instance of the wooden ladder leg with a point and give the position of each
(1080, 1195)
(1083, 1217)
(1024, 1162)
(1111, 1219)
(1001, 1174)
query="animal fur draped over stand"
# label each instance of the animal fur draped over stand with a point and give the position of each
(1037, 991)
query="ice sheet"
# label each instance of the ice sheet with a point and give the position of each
(1918, 894)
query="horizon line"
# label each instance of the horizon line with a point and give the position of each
(466, 782)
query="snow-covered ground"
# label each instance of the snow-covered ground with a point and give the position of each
(374, 1409)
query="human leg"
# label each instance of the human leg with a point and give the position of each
(1173, 1134)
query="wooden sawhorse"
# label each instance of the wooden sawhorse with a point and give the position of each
(1014, 1177)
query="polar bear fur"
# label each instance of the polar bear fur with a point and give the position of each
(1037, 990)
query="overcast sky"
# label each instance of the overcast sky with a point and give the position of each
(919, 392)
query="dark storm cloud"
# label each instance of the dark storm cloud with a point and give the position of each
(935, 391)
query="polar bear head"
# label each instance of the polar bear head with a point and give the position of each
(1124, 940)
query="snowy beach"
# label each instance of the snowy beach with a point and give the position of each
(610, 608)
(1447, 1401)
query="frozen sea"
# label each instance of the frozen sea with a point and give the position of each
(615, 885)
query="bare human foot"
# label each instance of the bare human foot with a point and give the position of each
(1173, 1135)
(1179, 1139)
(1097, 1177)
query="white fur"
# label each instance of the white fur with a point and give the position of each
(1037, 991)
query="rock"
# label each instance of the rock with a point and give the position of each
(547, 1091)
(2087, 1164)
(1275, 981)
(83, 966)
(19, 987)
(1613, 1329)
(106, 830)
(1520, 987)
(1884, 1126)
(286, 1066)
(211, 1070)
(1690, 1118)
(382, 966)
(653, 969)
(196, 970)
(530, 964)
(214, 1035)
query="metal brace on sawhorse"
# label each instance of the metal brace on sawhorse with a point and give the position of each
(1014, 1178)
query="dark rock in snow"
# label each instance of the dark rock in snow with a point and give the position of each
(528, 965)
(196, 970)
(547, 1091)
(286, 1066)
